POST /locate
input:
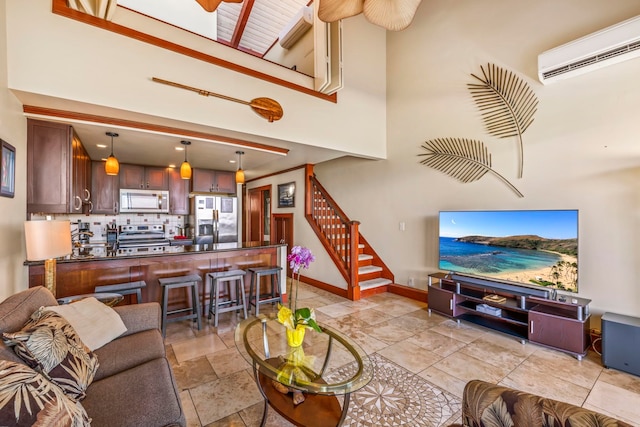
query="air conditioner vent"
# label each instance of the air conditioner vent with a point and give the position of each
(609, 46)
(592, 60)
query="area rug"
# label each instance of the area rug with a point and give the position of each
(398, 397)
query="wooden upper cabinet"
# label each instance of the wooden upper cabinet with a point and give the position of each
(178, 193)
(105, 190)
(145, 177)
(212, 181)
(58, 169)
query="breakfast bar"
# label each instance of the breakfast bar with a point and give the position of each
(81, 272)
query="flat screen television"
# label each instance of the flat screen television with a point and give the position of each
(531, 247)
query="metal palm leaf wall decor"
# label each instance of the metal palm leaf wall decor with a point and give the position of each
(464, 159)
(506, 102)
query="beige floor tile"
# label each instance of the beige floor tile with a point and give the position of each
(337, 310)
(614, 401)
(620, 379)
(437, 343)
(399, 307)
(494, 353)
(190, 413)
(533, 378)
(234, 420)
(253, 415)
(372, 316)
(194, 372)
(389, 332)
(227, 362)
(225, 396)
(462, 331)
(467, 368)
(583, 373)
(200, 346)
(410, 356)
(443, 380)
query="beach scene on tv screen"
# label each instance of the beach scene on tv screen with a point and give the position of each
(529, 247)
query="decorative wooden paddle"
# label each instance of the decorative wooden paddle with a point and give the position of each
(265, 107)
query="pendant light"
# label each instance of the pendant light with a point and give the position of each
(185, 168)
(111, 166)
(239, 172)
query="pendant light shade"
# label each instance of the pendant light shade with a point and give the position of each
(112, 166)
(185, 168)
(239, 172)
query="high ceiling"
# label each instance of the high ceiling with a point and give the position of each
(251, 26)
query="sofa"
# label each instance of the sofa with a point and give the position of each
(133, 384)
(486, 404)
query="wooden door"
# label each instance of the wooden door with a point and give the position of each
(202, 180)
(105, 190)
(131, 176)
(156, 178)
(257, 212)
(282, 232)
(48, 166)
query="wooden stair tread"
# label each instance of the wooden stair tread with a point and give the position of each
(374, 283)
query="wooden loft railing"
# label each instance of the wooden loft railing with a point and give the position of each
(338, 234)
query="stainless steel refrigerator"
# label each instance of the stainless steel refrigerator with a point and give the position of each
(214, 218)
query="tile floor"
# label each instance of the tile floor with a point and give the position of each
(217, 386)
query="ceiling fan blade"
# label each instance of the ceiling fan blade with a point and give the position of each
(335, 10)
(209, 5)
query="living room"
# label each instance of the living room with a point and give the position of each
(402, 89)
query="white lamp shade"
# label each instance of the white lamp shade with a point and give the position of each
(47, 239)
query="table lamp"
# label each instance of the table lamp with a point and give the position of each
(47, 240)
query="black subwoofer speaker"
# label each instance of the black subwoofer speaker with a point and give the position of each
(621, 342)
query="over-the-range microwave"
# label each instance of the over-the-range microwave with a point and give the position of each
(141, 201)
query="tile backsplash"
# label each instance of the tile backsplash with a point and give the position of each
(98, 223)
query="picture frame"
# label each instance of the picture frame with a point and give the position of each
(226, 205)
(287, 195)
(8, 170)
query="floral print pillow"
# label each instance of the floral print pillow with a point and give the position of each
(28, 399)
(50, 345)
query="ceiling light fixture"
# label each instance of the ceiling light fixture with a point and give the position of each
(239, 172)
(185, 168)
(112, 166)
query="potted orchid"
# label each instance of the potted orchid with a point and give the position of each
(297, 320)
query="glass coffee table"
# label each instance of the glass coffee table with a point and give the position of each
(327, 365)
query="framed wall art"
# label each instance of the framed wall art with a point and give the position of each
(287, 195)
(8, 171)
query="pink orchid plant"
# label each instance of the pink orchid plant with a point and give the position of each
(293, 317)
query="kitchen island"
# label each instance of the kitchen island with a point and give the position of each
(89, 267)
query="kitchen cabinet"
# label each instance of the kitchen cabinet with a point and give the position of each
(58, 169)
(178, 193)
(146, 177)
(105, 190)
(213, 181)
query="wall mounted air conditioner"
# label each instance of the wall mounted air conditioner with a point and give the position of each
(609, 46)
(299, 24)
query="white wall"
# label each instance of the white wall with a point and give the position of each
(581, 152)
(13, 129)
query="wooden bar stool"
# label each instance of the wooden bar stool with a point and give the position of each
(129, 288)
(191, 281)
(216, 306)
(255, 298)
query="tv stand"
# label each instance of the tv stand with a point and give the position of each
(524, 312)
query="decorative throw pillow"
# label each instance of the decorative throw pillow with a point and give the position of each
(95, 323)
(50, 345)
(27, 398)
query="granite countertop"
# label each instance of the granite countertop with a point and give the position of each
(108, 252)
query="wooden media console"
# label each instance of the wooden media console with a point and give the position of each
(527, 313)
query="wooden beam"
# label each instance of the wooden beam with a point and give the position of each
(241, 23)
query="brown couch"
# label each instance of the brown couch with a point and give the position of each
(134, 384)
(486, 404)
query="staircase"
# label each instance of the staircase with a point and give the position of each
(343, 242)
